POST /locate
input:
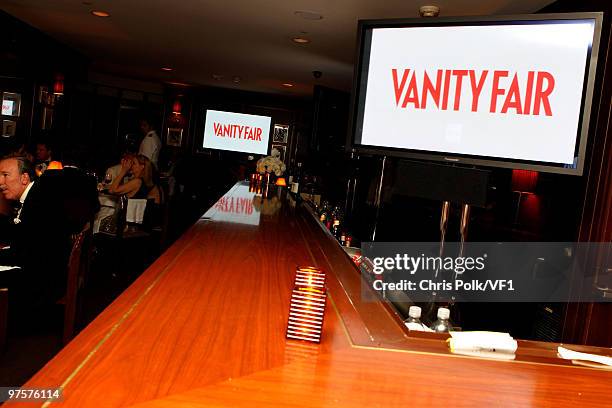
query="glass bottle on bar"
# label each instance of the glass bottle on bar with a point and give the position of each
(336, 221)
(324, 212)
(266, 176)
(290, 171)
(297, 179)
(413, 322)
(442, 325)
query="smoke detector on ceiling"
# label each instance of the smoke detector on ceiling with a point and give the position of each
(429, 11)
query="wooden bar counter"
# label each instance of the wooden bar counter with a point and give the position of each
(204, 326)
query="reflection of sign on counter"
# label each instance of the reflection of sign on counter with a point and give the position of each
(236, 206)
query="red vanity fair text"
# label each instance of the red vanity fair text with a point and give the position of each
(237, 131)
(522, 93)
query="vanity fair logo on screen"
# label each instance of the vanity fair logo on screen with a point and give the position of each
(236, 132)
(511, 91)
(526, 94)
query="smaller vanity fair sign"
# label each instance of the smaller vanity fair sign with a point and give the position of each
(237, 132)
(507, 91)
(7, 107)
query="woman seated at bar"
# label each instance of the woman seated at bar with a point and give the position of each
(141, 186)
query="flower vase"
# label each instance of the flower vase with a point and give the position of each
(272, 179)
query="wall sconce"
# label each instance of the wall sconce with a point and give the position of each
(55, 165)
(307, 306)
(177, 107)
(50, 96)
(523, 183)
(58, 85)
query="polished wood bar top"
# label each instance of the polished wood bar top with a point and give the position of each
(204, 326)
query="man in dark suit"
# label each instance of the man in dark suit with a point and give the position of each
(43, 155)
(38, 238)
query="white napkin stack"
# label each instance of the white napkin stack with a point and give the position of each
(418, 327)
(483, 344)
(135, 210)
(606, 362)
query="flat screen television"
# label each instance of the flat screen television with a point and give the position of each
(237, 132)
(500, 91)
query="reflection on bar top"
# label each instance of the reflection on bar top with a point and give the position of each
(236, 206)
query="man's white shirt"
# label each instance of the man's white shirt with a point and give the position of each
(22, 199)
(150, 147)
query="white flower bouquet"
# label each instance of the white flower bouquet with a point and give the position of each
(271, 164)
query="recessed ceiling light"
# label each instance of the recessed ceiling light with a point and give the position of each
(100, 13)
(167, 69)
(300, 40)
(178, 84)
(429, 11)
(287, 85)
(309, 15)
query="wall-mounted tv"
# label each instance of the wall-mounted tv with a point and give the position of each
(237, 132)
(512, 91)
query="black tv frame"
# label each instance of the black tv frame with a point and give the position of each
(360, 84)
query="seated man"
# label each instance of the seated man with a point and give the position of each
(38, 238)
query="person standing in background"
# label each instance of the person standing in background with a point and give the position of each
(43, 156)
(151, 144)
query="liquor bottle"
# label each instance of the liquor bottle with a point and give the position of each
(413, 322)
(290, 171)
(297, 178)
(266, 176)
(342, 238)
(442, 325)
(324, 212)
(348, 241)
(337, 216)
(336, 228)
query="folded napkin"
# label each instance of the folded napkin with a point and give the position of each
(6, 268)
(482, 341)
(418, 327)
(135, 210)
(575, 355)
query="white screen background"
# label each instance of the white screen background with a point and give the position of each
(560, 49)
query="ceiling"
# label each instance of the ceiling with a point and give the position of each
(230, 38)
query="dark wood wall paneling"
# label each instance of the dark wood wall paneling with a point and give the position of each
(104, 121)
(589, 323)
(30, 59)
